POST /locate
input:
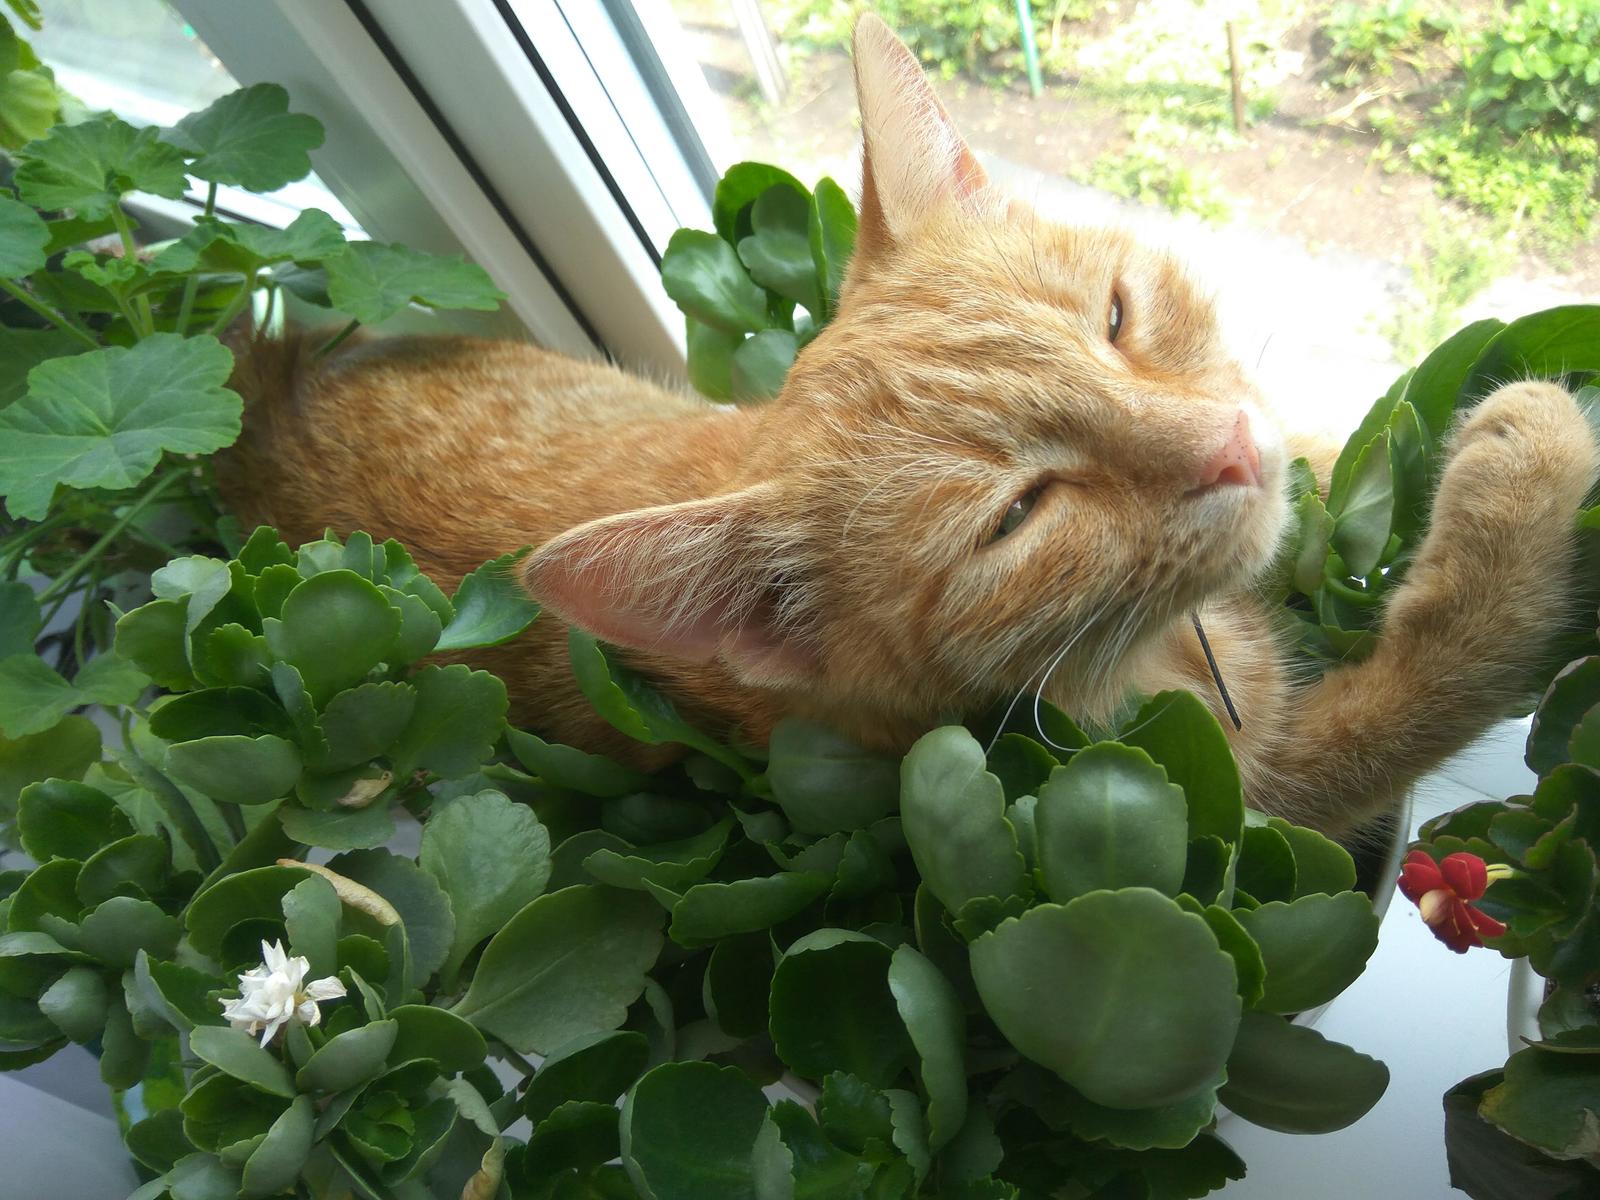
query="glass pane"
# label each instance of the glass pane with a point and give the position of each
(1360, 215)
(141, 60)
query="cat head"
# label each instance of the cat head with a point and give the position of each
(1017, 445)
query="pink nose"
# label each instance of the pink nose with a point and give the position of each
(1236, 462)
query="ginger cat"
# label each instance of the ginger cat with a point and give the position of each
(1018, 453)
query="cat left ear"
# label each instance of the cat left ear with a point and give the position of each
(693, 581)
(913, 160)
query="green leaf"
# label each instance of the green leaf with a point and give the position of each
(1169, 1126)
(708, 912)
(437, 1034)
(1110, 819)
(832, 234)
(778, 251)
(20, 351)
(1154, 999)
(249, 138)
(76, 1003)
(832, 1009)
(1184, 737)
(1572, 693)
(1434, 388)
(178, 994)
(710, 353)
(689, 1131)
(1233, 938)
(492, 858)
(33, 697)
(363, 722)
(1313, 948)
(60, 819)
(103, 419)
(372, 282)
(205, 581)
(1409, 469)
(673, 865)
(224, 247)
(349, 1058)
(1292, 1079)
(1542, 345)
(23, 237)
(567, 964)
(825, 783)
(234, 1052)
(1361, 527)
(631, 704)
(124, 1055)
(580, 1134)
(122, 926)
(738, 982)
(153, 637)
(157, 1141)
(1550, 1101)
(573, 770)
(252, 895)
(1266, 866)
(490, 607)
(761, 363)
(89, 166)
(703, 275)
(595, 1067)
(236, 769)
(424, 908)
(339, 828)
(311, 919)
(933, 1016)
(140, 861)
(1320, 865)
(336, 627)
(275, 1164)
(953, 811)
(457, 720)
(64, 751)
(740, 186)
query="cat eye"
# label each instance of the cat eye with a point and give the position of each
(1114, 321)
(1016, 514)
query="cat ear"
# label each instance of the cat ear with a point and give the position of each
(693, 581)
(914, 160)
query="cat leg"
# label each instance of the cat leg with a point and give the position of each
(1485, 592)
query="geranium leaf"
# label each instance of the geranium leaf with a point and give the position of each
(23, 237)
(33, 695)
(250, 138)
(103, 419)
(490, 607)
(88, 167)
(372, 282)
(224, 246)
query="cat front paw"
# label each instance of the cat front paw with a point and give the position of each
(1524, 453)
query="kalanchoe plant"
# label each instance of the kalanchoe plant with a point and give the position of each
(776, 246)
(1527, 865)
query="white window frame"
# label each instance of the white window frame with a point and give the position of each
(443, 134)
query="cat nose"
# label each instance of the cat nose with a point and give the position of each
(1236, 462)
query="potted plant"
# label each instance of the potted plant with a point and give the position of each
(290, 1006)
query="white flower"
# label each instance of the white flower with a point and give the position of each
(275, 991)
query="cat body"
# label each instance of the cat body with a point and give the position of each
(1018, 457)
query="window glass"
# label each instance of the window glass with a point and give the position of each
(141, 60)
(1370, 202)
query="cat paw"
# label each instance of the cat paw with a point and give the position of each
(1526, 442)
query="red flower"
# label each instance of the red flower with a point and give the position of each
(1443, 891)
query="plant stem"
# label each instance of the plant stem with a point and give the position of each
(49, 314)
(516, 1060)
(235, 307)
(176, 807)
(192, 284)
(328, 345)
(11, 556)
(234, 820)
(62, 583)
(146, 324)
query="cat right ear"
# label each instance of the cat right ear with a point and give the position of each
(913, 160)
(694, 581)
